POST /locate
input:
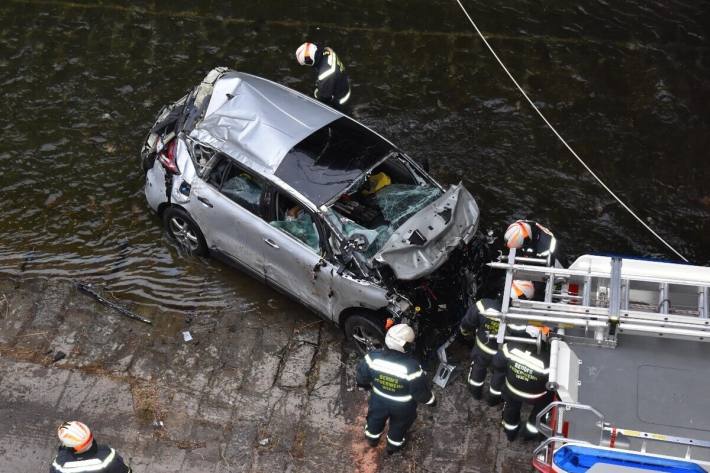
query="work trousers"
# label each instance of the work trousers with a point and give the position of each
(511, 413)
(401, 416)
(480, 364)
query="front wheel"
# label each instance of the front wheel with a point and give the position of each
(366, 331)
(183, 229)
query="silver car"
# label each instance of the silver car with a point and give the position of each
(314, 204)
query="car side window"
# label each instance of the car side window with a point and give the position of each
(298, 222)
(237, 184)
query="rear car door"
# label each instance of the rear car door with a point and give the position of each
(227, 206)
(295, 254)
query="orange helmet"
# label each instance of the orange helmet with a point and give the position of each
(306, 53)
(516, 234)
(522, 289)
(76, 435)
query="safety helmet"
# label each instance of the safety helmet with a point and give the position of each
(399, 337)
(516, 233)
(76, 435)
(306, 54)
(521, 289)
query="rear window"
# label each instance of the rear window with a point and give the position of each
(326, 163)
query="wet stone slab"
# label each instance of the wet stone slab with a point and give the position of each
(252, 392)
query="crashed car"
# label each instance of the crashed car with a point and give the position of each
(315, 204)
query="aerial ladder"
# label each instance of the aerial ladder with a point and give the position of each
(629, 362)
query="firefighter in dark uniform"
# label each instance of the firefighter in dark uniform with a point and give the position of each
(534, 241)
(486, 345)
(332, 83)
(398, 384)
(80, 453)
(526, 373)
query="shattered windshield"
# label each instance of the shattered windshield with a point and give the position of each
(328, 161)
(385, 199)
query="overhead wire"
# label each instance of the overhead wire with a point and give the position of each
(581, 161)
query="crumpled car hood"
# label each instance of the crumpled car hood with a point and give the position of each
(424, 242)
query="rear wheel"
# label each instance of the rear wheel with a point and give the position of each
(183, 229)
(365, 331)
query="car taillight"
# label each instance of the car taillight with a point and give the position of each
(167, 158)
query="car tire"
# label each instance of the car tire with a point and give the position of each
(184, 231)
(365, 331)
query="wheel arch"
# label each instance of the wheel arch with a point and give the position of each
(350, 311)
(166, 205)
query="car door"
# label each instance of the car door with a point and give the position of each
(295, 255)
(227, 207)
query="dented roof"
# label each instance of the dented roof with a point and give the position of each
(257, 122)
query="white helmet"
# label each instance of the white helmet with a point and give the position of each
(522, 289)
(76, 435)
(398, 336)
(516, 233)
(306, 54)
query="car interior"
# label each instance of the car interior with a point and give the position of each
(236, 184)
(293, 219)
(382, 201)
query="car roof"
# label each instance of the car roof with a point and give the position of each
(260, 121)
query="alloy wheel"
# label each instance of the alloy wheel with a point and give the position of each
(184, 233)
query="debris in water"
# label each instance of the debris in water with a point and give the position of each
(264, 442)
(60, 355)
(186, 336)
(89, 290)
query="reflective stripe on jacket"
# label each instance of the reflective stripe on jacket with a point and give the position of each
(526, 372)
(394, 376)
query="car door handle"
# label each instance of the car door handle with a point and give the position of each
(205, 201)
(271, 243)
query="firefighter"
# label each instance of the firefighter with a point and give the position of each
(486, 345)
(525, 373)
(532, 240)
(332, 83)
(79, 452)
(397, 383)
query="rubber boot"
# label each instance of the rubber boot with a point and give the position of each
(476, 391)
(392, 449)
(493, 401)
(511, 434)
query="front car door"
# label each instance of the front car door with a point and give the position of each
(295, 254)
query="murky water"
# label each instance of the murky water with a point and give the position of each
(627, 84)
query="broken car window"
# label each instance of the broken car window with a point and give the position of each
(236, 184)
(293, 219)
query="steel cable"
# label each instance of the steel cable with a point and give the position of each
(628, 209)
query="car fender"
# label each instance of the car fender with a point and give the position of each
(155, 186)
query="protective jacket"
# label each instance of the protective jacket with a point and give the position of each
(99, 458)
(332, 83)
(394, 377)
(541, 244)
(398, 384)
(526, 372)
(486, 347)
